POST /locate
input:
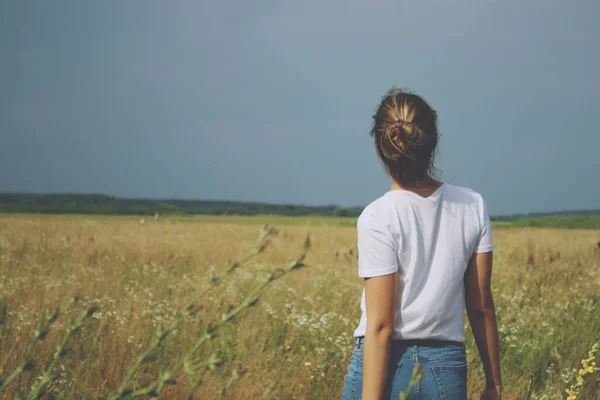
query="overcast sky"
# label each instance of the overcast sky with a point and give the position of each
(271, 101)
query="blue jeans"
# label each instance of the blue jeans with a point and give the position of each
(444, 365)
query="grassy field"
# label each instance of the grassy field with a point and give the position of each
(297, 339)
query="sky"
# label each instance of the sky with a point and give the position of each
(271, 101)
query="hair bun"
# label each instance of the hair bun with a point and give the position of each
(399, 137)
(406, 135)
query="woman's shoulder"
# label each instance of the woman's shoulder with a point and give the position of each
(382, 211)
(372, 210)
(465, 198)
(375, 212)
(463, 191)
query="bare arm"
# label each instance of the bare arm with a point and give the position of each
(380, 299)
(482, 317)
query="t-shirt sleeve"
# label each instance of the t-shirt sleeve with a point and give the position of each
(486, 240)
(376, 248)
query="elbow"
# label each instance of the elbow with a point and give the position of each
(481, 313)
(383, 331)
(481, 310)
(480, 305)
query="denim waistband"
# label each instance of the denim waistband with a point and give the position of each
(417, 342)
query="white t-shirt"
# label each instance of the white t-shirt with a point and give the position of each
(429, 241)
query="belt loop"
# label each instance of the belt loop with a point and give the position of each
(359, 341)
(415, 351)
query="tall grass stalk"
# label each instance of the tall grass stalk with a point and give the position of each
(189, 364)
(40, 334)
(47, 374)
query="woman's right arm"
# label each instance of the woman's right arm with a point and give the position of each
(482, 317)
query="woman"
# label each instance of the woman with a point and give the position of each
(425, 252)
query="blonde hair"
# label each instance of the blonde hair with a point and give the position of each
(406, 136)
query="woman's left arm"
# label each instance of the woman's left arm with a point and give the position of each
(380, 298)
(378, 265)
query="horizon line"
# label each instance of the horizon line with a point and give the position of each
(531, 213)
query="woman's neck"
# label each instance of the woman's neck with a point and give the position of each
(424, 188)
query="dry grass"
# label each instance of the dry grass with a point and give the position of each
(298, 337)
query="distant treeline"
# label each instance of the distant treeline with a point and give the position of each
(72, 203)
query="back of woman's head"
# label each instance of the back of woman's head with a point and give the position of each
(406, 136)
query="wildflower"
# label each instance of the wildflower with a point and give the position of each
(588, 367)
